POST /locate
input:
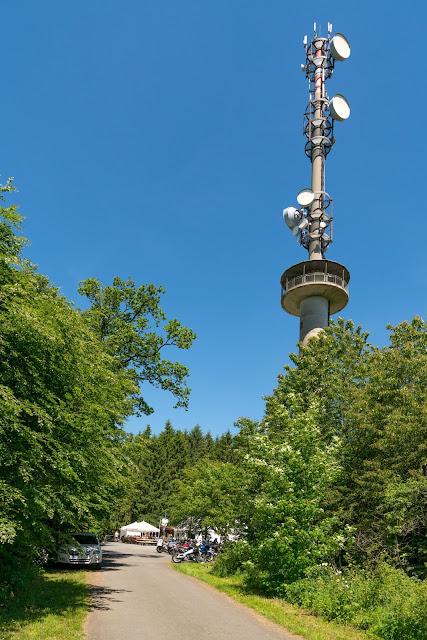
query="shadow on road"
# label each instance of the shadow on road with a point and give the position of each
(115, 561)
(102, 597)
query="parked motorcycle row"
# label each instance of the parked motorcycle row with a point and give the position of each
(189, 551)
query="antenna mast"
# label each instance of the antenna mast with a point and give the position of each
(316, 288)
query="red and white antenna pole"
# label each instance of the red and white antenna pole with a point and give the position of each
(317, 288)
(317, 159)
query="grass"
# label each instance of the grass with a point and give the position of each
(49, 606)
(292, 618)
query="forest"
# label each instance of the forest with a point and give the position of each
(325, 498)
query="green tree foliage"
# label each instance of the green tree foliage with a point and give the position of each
(196, 443)
(329, 370)
(386, 456)
(67, 383)
(374, 400)
(135, 496)
(225, 448)
(288, 529)
(271, 498)
(10, 244)
(336, 471)
(158, 463)
(62, 401)
(209, 445)
(127, 318)
(209, 494)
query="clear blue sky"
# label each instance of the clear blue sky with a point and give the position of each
(162, 139)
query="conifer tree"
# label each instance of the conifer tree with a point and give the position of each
(197, 443)
(209, 446)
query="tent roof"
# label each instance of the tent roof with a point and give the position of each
(129, 526)
(140, 526)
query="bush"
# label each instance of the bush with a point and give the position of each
(233, 559)
(383, 600)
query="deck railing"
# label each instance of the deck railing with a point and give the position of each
(317, 276)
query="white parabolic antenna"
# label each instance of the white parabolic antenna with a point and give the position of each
(339, 107)
(305, 197)
(340, 47)
(290, 216)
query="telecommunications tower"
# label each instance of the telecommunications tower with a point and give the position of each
(316, 288)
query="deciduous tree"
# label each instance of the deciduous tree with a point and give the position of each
(127, 319)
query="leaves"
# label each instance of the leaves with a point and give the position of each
(127, 318)
(63, 400)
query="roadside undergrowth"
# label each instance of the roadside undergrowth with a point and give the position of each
(294, 619)
(47, 606)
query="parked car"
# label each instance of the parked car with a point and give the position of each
(83, 549)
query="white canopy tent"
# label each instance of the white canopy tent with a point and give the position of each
(138, 529)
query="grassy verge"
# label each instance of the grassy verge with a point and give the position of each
(293, 618)
(49, 606)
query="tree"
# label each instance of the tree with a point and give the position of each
(329, 370)
(197, 443)
(10, 244)
(225, 448)
(209, 494)
(62, 401)
(156, 462)
(135, 497)
(126, 319)
(271, 498)
(385, 458)
(289, 470)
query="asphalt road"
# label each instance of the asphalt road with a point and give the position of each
(137, 595)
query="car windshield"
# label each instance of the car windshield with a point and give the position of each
(85, 538)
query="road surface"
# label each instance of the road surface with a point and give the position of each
(137, 595)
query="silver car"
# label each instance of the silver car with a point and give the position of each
(84, 549)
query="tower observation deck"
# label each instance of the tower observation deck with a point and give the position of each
(316, 288)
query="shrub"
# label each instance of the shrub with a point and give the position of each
(234, 559)
(382, 600)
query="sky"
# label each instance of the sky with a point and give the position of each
(161, 140)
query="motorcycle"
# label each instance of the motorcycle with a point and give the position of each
(160, 546)
(172, 546)
(189, 554)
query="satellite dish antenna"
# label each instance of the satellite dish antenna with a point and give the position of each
(340, 47)
(339, 107)
(291, 217)
(305, 197)
(296, 231)
(303, 224)
(325, 239)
